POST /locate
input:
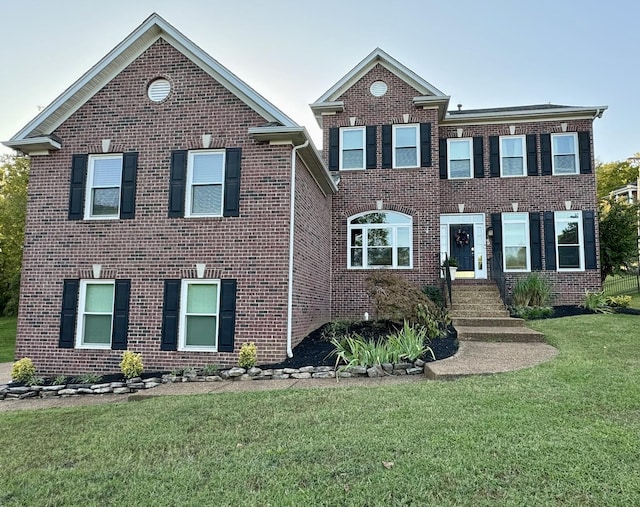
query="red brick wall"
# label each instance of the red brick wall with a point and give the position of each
(252, 248)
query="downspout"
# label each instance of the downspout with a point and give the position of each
(292, 217)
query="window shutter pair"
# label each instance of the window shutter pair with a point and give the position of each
(69, 314)
(127, 186)
(178, 182)
(494, 156)
(478, 158)
(584, 153)
(424, 143)
(589, 239)
(371, 140)
(534, 240)
(226, 319)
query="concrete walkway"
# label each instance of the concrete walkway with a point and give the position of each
(473, 358)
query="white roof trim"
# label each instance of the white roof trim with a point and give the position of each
(389, 63)
(549, 113)
(153, 28)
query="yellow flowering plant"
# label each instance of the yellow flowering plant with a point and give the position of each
(24, 371)
(131, 365)
(248, 356)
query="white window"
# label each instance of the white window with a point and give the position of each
(460, 161)
(564, 149)
(569, 240)
(406, 151)
(515, 242)
(103, 187)
(199, 310)
(512, 159)
(380, 239)
(205, 182)
(95, 314)
(352, 148)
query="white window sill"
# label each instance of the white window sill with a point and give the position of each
(94, 346)
(105, 217)
(198, 349)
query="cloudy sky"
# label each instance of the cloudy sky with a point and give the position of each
(484, 54)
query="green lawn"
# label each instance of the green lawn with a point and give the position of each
(7, 339)
(563, 433)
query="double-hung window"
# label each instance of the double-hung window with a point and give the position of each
(103, 187)
(380, 239)
(205, 183)
(569, 240)
(460, 161)
(564, 149)
(352, 154)
(406, 146)
(515, 242)
(199, 311)
(512, 156)
(95, 314)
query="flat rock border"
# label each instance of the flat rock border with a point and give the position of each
(11, 391)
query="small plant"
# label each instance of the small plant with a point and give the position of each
(248, 356)
(336, 329)
(596, 302)
(60, 380)
(453, 262)
(354, 350)
(410, 342)
(531, 312)
(23, 371)
(131, 365)
(534, 290)
(434, 293)
(88, 378)
(210, 369)
(619, 301)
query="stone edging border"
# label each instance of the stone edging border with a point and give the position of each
(8, 392)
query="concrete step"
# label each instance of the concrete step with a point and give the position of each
(475, 298)
(477, 313)
(465, 321)
(479, 306)
(499, 334)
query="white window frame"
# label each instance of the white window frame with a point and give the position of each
(182, 326)
(394, 146)
(576, 156)
(557, 221)
(364, 148)
(516, 218)
(394, 242)
(189, 190)
(523, 141)
(82, 300)
(88, 201)
(469, 141)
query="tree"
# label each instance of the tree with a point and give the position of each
(613, 175)
(618, 236)
(14, 177)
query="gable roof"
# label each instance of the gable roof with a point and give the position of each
(35, 136)
(328, 103)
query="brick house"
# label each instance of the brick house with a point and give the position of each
(175, 212)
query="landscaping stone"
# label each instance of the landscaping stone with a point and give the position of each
(53, 388)
(403, 366)
(289, 371)
(67, 392)
(153, 380)
(320, 369)
(344, 374)
(414, 371)
(18, 390)
(236, 372)
(100, 386)
(244, 376)
(151, 385)
(121, 390)
(419, 363)
(213, 378)
(48, 394)
(116, 384)
(388, 367)
(375, 371)
(254, 372)
(399, 372)
(135, 385)
(103, 390)
(30, 394)
(86, 390)
(357, 370)
(280, 376)
(301, 375)
(307, 369)
(324, 374)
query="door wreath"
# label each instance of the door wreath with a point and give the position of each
(462, 238)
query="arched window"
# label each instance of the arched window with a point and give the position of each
(380, 239)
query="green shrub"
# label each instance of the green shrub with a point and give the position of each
(435, 294)
(24, 371)
(88, 378)
(248, 356)
(534, 290)
(131, 365)
(619, 301)
(59, 380)
(354, 350)
(336, 329)
(531, 312)
(210, 369)
(596, 302)
(410, 342)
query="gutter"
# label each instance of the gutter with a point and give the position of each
(292, 203)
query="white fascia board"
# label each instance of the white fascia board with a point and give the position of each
(520, 116)
(34, 145)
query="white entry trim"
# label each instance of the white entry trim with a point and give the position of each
(479, 239)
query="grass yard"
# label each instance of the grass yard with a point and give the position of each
(7, 339)
(563, 433)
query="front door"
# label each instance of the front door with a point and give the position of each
(461, 245)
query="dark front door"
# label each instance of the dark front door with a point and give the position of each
(461, 245)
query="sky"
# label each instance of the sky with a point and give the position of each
(489, 53)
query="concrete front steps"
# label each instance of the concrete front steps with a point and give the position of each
(478, 314)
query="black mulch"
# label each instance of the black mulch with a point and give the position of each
(570, 311)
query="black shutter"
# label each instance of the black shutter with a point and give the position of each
(227, 326)
(121, 315)
(535, 241)
(178, 176)
(496, 242)
(589, 230)
(68, 314)
(334, 149)
(372, 142)
(478, 157)
(545, 152)
(584, 147)
(76, 191)
(425, 144)
(232, 183)
(170, 315)
(549, 241)
(532, 155)
(442, 159)
(128, 188)
(494, 156)
(387, 148)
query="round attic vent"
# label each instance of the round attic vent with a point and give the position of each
(378, 88)
(159, 90)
